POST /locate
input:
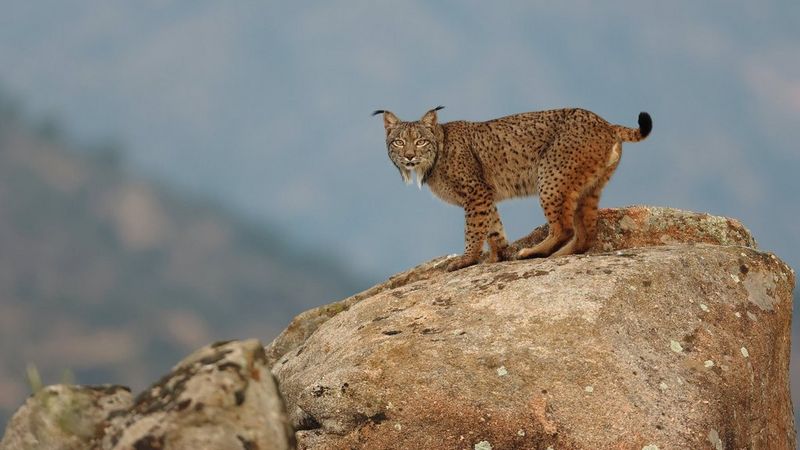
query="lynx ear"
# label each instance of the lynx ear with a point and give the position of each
(389, 119)
(429, 119)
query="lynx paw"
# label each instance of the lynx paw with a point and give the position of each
(503, 254)
(461, 262)
(526, 253)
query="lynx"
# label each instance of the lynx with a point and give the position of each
(566, 156)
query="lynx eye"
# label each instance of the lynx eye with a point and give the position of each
(423, 142)
(398, 142)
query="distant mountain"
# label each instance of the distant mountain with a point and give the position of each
(115, 278)
(239, 99)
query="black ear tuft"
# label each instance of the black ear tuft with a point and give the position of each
(378, 111)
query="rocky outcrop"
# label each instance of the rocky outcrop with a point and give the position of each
(672, 333)
(618, 229)
(64, 417)
(222, 397)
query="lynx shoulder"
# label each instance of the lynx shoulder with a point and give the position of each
(566, 156)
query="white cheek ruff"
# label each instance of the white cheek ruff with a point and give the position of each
(419, 173)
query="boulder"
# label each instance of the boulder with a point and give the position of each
(221, 397)
(673, 332)
(64, 417)
(617, 229)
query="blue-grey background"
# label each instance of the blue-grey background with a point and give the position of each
(264, 107)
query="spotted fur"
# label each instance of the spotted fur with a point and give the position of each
(566, 156)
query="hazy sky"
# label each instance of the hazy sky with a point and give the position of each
(266, 107)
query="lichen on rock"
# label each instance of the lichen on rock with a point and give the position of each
(220, 397)
(65, 417)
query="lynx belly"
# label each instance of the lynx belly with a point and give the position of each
(521, 184)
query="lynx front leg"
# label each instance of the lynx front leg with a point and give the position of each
(474, 235)
(498, 244)
(478, 218)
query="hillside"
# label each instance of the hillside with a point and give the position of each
(112, 277)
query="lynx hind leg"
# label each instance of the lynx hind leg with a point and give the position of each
(559, 209)
(585, 225)
(586, 221)
(564, 177)
(586, 217)
(588, 211)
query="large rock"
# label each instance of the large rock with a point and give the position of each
(677, 337)
(64, 417)
(222, 397)
(618, 229)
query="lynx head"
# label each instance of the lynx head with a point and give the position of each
(413, 146)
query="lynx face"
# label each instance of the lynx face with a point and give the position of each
(412, 146)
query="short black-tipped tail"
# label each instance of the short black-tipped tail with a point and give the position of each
(645, 124)
(635, 134)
